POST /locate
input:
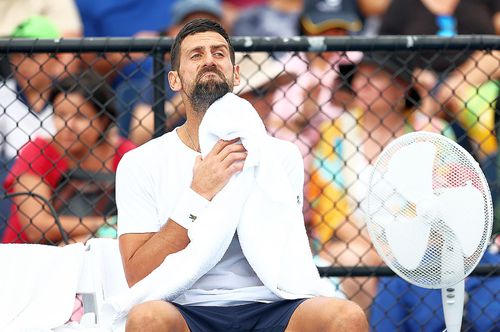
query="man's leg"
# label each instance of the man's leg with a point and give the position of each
(328, 315)
(155, 316)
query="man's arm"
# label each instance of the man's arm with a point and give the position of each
(142, 253)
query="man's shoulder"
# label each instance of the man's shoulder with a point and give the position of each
(151, 152)
(282, 148)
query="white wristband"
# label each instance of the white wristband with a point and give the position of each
(188, 208)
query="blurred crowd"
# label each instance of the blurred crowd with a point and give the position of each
(66, 119)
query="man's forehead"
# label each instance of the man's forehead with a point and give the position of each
(203, 39)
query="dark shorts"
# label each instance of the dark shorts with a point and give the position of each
(261, 317)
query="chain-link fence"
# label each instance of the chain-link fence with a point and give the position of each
(71, 108)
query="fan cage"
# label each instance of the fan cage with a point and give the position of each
(453, 167)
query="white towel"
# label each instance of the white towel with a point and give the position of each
(259, 201)
(38, 285)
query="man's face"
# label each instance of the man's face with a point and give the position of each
(205, 72)
(377, 89)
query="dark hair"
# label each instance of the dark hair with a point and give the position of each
(192, 27)
(92, 87)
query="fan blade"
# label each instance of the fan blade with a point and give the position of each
(410, 170)
(462, 209)
(408, 238)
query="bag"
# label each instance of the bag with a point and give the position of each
(85, 193)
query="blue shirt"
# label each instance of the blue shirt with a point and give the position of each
(123, 18)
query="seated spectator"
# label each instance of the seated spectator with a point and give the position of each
(24, 108)
(233, 8)
(86, 143)
(301, 107)
(273, 18)
(385, 107)
(260, 77)
(63, 13)
(130, 74)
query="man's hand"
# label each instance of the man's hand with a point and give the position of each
(211, 174)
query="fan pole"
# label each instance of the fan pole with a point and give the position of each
(453, 306)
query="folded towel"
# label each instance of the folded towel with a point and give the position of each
(38, 285)
(259, 202)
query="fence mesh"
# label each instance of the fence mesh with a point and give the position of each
(71, 109)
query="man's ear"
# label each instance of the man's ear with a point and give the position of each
(174, 81)
(236, 75)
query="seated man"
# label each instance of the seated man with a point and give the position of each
(232, 295)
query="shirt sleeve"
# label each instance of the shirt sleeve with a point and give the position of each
(135, 200)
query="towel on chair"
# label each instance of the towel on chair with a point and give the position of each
(258, 203)
(38, 285)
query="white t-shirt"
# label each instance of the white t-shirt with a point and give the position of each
(150, 180)
(19, 124)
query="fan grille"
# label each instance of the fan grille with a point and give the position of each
(443, 263)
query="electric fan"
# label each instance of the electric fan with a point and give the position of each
(429, 215)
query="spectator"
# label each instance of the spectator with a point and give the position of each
(384, 108)
(24, 108)
(453, 78)
(130, 74)
(299, 108)
(142, 121)
(63, 13)
(24, 98)
(261, 76)
(84, 143)
(233, 8)
(463, 83)
(273, 18)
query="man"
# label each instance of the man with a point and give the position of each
(150, 180)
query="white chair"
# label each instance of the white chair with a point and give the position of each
(102, 277)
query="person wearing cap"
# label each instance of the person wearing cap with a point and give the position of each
(24, 108)
(385, 107)
(63, 13)
(297, 112)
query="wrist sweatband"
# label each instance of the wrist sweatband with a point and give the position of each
(188, 208)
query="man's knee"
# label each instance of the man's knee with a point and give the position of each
(155, 316)
(348, 317)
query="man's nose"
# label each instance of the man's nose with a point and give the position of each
(209, 60)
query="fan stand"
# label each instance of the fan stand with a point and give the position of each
(453, 306)
(452, 296)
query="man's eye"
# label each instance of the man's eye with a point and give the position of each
(219, 54)
(195, 56)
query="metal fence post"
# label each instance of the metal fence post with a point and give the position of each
(159, 94)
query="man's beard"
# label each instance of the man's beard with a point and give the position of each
(205, 93)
